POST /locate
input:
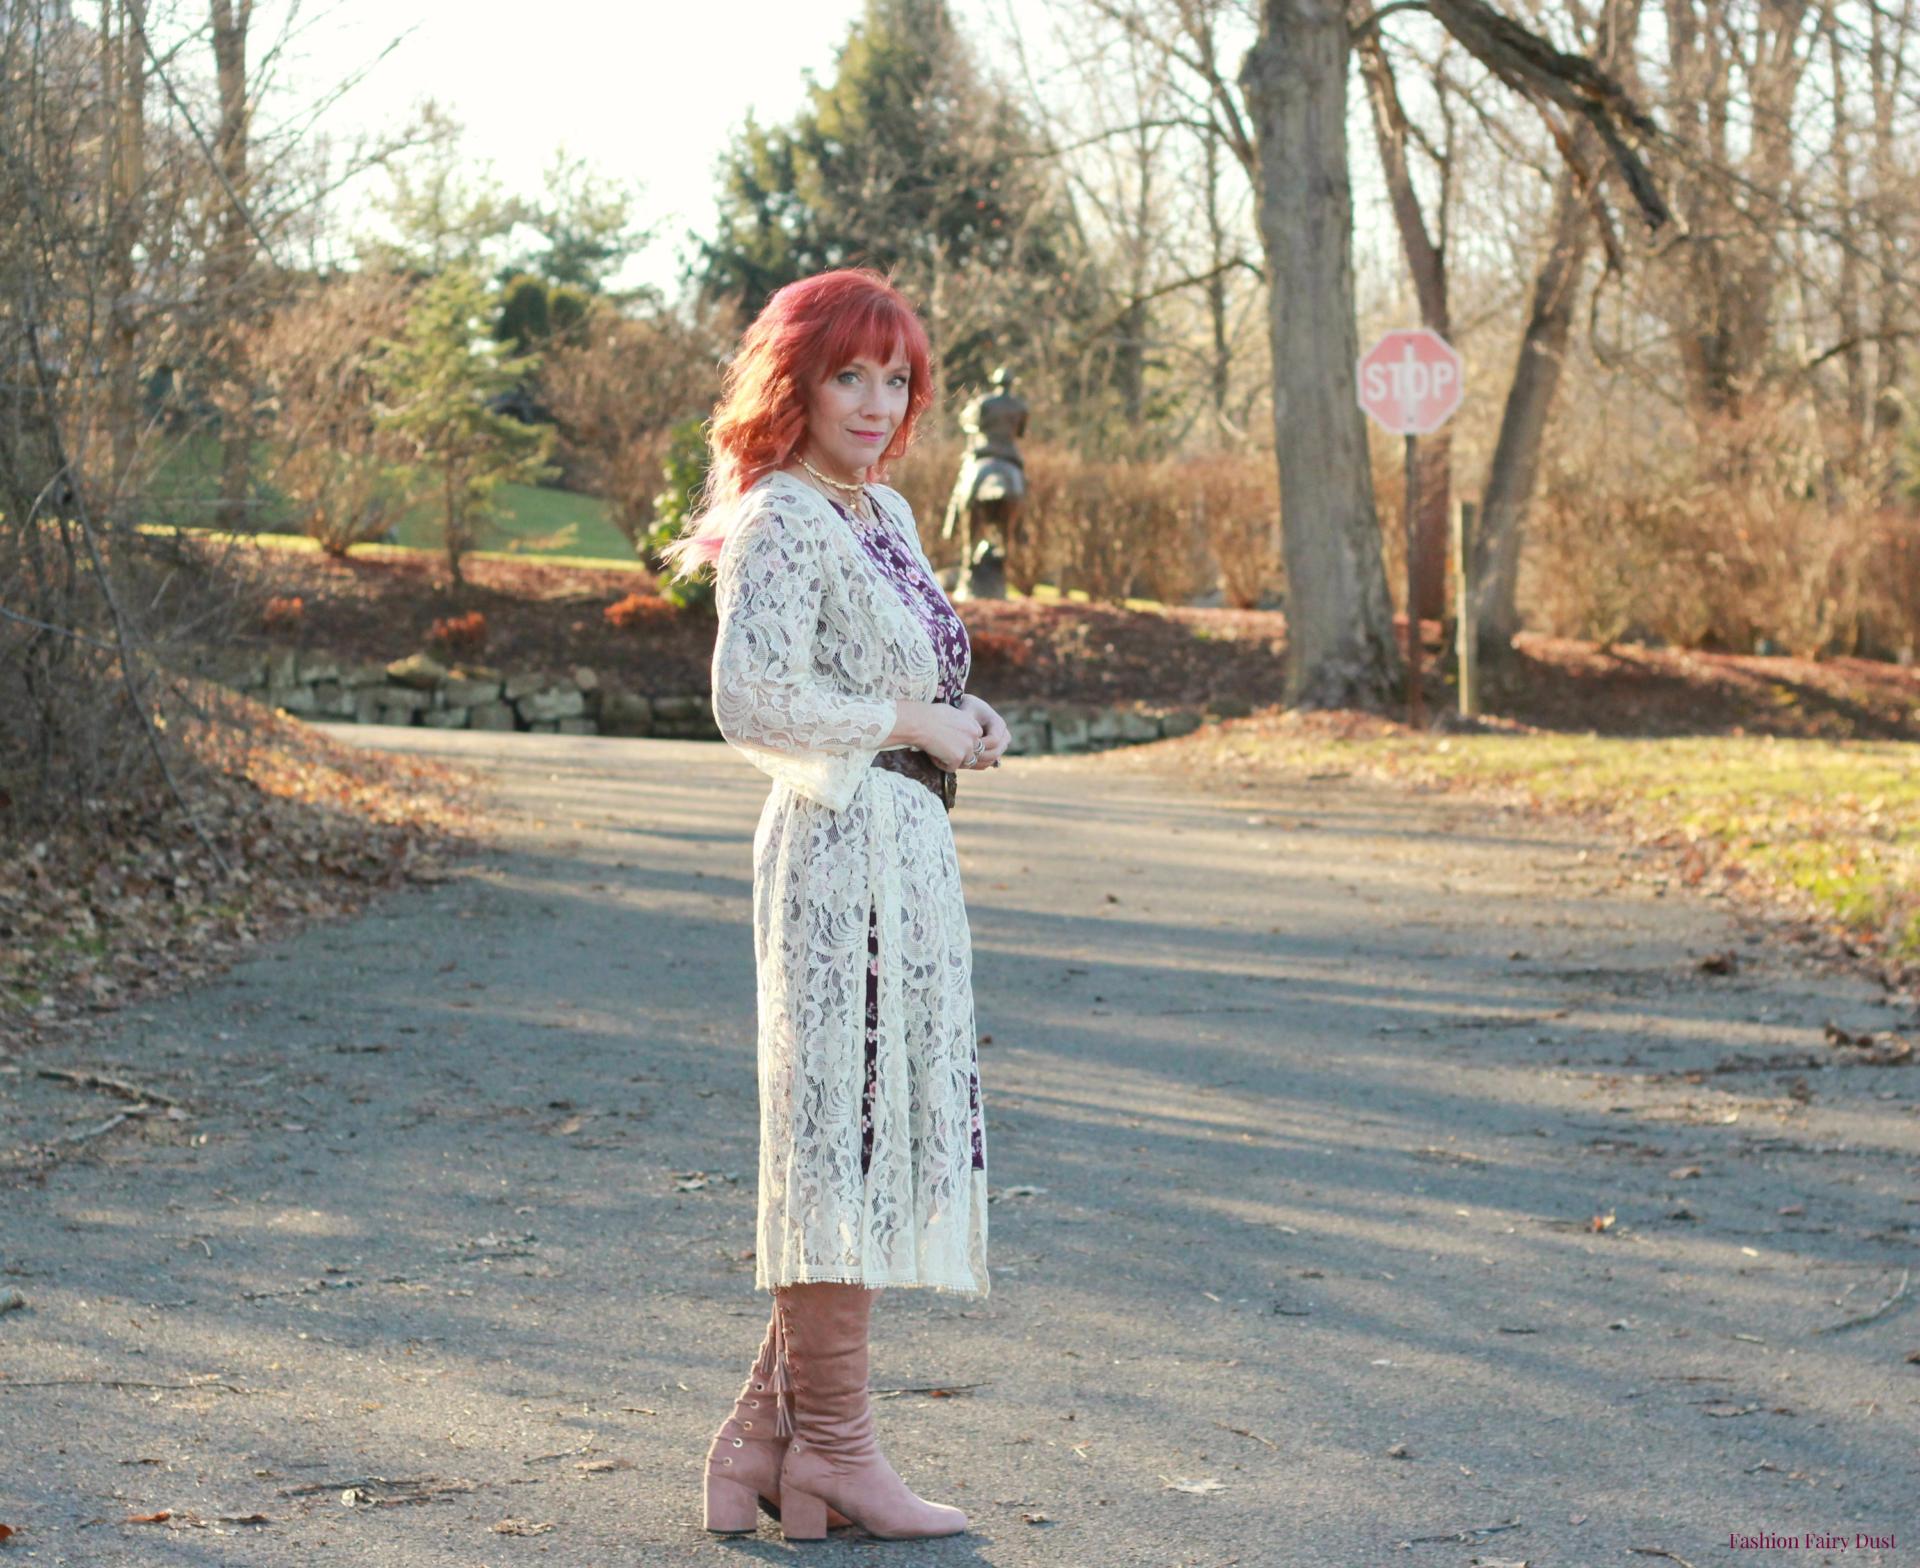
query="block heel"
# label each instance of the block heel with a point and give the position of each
(803, 1517)
(733, 1507)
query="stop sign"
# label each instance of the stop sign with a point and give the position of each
(1411, 381)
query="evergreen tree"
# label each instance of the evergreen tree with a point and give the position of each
(439, 381)
(532, 311)
(442, 214)
(911, 159)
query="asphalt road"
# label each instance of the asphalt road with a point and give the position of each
(1378, 1180)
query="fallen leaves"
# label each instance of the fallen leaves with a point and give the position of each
(1868, 1049)
(130, 902)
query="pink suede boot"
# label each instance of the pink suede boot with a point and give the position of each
(833, 1461)
(743, 1461)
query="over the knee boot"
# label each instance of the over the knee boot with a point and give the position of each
(743, 1461)
(833, 1460)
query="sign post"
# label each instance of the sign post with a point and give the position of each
(1410, 382)
(1466, 633)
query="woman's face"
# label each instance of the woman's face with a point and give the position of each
(854, 413)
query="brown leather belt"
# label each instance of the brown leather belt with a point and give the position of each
(918, 764)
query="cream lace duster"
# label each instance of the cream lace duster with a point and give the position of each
(815, 649)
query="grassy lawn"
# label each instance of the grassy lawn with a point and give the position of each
(1835, 824)
(532, 520)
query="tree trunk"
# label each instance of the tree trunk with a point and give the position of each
(124, 154)
(1340, 643)
(1889, 27)
(1515, 466)
(453, 527)
(1523, 421)
(1847, 219)
(1219, 247)
(231, 252)
(1721, 298)
(1427, 263)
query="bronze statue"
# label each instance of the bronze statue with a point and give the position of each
(991, 489)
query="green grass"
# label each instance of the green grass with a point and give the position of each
(532, 520)
(1836, 823)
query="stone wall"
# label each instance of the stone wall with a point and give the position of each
(420, 690)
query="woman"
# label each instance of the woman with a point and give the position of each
(837, 669)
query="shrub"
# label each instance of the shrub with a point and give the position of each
(638, 611)
(1745, 537)
(685, 471)
(1165, 528)
(926, 477)
(337, 470)
(1111, 528)
(616, 386)
(460, 633)
(1234, 499)
(283, 613)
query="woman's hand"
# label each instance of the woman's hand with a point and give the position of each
(945, 732)
(992, 726)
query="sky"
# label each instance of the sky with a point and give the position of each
(649, 92)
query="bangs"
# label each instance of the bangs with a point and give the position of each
(879, 329)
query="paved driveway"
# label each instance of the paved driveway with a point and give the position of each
(1377, 1181)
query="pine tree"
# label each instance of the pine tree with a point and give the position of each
(439, 380)
(912, 160)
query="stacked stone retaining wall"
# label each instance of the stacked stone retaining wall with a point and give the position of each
(421, 690)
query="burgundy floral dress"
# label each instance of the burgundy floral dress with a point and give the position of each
(949, 634)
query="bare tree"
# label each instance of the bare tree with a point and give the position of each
(312, 361)
(233, 248)
(111, 341)
(617, 387)
(1513, 470)
(1426, 252)
(1340, 643)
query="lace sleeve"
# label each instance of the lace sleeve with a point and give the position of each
(775, 623)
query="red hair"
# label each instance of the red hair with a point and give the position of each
(805, 333)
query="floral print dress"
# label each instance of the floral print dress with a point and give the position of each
(949, 636)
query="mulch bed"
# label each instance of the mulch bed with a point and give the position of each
(1561, 684)
(549, 619)
(546, 618)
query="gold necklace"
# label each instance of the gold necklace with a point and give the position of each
(853, 490)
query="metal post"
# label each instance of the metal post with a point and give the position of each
(1416, 710)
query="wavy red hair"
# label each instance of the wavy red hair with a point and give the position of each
(806, 332)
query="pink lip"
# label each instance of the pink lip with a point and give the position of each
(868, 435)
